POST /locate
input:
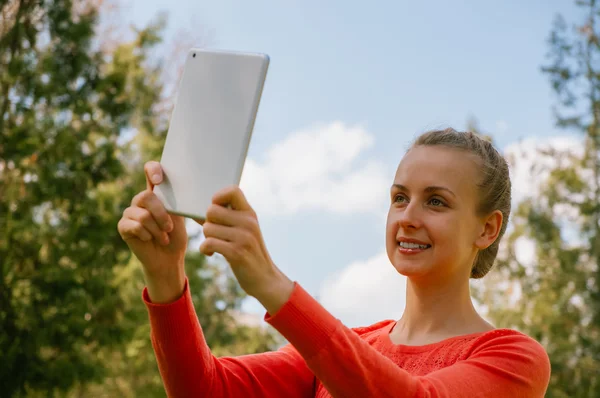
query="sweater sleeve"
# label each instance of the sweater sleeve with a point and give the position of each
(189, 369)
(507, 366)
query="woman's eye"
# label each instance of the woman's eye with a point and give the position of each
(436, 202)
(399, 199)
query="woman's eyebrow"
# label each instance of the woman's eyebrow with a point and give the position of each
(427, 190)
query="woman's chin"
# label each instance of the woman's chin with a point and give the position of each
(410, 268)
(410, 263)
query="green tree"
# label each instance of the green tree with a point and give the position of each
(61, 111)
(71, 317)
(557, 299)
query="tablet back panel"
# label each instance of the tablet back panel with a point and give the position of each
(210, 128)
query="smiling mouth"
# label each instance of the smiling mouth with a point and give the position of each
(413, 246)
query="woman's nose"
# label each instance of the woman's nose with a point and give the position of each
(410, 216)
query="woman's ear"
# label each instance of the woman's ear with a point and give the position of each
(492, 224)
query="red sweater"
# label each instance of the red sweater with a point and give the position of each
(327, 359)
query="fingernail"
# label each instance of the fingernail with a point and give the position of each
(168, 226)
(155, 179)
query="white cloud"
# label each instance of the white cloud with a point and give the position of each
(365, 292)
(323, 168)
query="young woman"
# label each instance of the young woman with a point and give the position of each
(449, 207)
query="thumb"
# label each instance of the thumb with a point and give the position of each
(154, 174)
(179, 231)
(232, 196)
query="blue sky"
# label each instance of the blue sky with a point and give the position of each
(377, 74)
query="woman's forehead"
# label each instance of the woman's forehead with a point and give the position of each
(427, 165)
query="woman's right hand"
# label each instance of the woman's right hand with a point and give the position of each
(158, 239)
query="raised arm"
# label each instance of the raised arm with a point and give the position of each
(159, 240)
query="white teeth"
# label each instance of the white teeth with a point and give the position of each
(407, 245)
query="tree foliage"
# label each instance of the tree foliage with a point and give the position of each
(77, 121)
(555, 297)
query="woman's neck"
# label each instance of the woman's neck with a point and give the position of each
(436, 312)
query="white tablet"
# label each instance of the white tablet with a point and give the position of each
(210, 128)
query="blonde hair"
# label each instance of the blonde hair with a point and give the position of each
(494, 185)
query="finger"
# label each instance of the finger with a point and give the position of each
(154, 174)
(222, 232)
(221, 215)
(144, 217)
(132, 229)
(148, 200)
(211, 246)
(232, 195)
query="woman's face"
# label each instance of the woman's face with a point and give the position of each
(432, 227)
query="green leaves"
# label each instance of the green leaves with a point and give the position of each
(559, 294)
(76, 124)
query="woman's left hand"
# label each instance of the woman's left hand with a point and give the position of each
(231, 229)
